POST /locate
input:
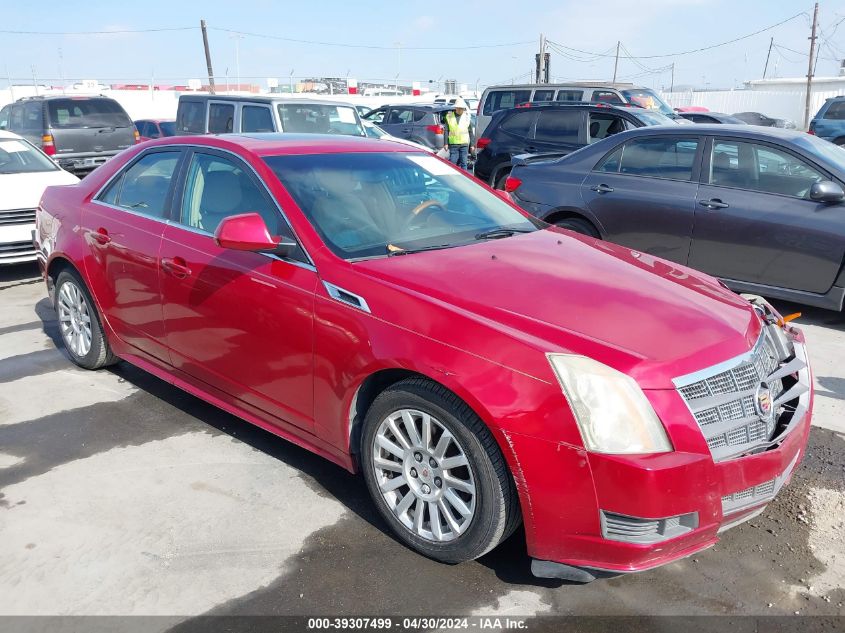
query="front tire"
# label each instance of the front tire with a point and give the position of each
(579, 226)
(79, 323)
(435, 473)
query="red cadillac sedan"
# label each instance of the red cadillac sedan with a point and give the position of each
(377, 306)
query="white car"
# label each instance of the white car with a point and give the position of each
(374, 131)
(25, 171)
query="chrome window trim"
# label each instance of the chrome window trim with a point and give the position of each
(309, 265)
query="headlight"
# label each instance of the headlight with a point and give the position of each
(612, 412)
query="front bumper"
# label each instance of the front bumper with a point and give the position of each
(568, 493)
(82, 164)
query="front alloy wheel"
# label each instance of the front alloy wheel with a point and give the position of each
(423, 475)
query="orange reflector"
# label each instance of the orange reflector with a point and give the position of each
(791, 317)
(47, 138)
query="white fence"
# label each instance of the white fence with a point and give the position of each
(780, 104)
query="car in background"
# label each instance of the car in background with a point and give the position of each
(224, 114)
(829, 122)
(421, 123)
(758, 118)
(760, 208)
(374, 131)
(555, 128)
(25, 171)
(481, 368)
(363, 109)
(155, 128)
(497, 98)
(79, 133)
(712, 117)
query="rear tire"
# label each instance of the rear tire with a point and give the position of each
(578, 226)
(79, 323)
(463, 475)
(501, 177)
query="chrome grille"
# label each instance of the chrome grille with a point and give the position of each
(723, 399)
(17, 216)
(12, 250)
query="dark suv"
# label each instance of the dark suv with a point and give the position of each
(80, 133)
(551, 129)
(418, 122)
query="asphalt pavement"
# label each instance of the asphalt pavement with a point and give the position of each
(121, 494)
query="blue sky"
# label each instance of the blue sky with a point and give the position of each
(645, 27)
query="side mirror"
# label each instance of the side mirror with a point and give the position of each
(827, 192)
(248, 232)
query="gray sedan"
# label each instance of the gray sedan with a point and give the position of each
(760, 208)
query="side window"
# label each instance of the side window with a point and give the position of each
(570, 95)
(5, 113)
(191, 117)
(835, 111)
(221, 118)
(16, 119)
(519, 123)
(33, 118)
(419, 115)
(152, 130)
(398, 116)
(611, 162)
(761, 168)
(376, 116)
(144, 186)
(543, 95)
(256, 119)
(145, 129)
(659, 157)
(606, 96)
(217, 188)
(558, 126)
(502, 99)
(604, 125)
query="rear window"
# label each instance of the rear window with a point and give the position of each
(314, 118)
(502, 99)
(558, 127)
(190, 117)
(86, 113)
(836, 111)
(519, 123)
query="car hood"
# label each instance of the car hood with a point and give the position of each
(560, 292)
(23, 191)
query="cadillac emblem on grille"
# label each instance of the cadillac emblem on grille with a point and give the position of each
(764, 401)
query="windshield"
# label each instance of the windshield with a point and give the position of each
(313, 118)
(831, 154)
(647, 98)
(83, 112)
(652, 117)
(18, 156)
(377, 204)
(168, 128)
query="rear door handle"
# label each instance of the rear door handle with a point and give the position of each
(101, 236)
(176, 266)
(714, 203)
(602, 188)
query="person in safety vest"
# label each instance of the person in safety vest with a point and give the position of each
(458, 140)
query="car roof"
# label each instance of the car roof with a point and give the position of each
(8, 135)
(573, 84)
(282, 143)
(748, 131)
(262, 99)
(434, 107)
(72, 97)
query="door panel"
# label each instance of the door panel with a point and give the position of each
(759, 233)
(122, 232)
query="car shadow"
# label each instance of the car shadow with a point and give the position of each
(19, 275)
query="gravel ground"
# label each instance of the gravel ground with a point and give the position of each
(120, 494)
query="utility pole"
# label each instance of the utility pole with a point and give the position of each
(207, 58)
(616, 63)
(672, 80)
(237, 37)
(540, 66)
(34, 80)
(769, 54)
(810, 67)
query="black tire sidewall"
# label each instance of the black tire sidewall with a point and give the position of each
(91, 360)
(578, 226)
(484, 528)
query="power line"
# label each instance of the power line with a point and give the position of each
(695, 50)
(370, 46)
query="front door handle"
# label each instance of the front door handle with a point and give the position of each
(101, 236)
(602, 188)
(714, 203)
(176, 266)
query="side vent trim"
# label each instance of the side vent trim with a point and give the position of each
(349, 298)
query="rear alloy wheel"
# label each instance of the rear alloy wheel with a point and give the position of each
(578, 225)
(79, 324)
(436, 474)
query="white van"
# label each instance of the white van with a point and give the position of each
(497, 98)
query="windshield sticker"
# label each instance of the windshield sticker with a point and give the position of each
(12, 146)
(432, 165)
(346, 115)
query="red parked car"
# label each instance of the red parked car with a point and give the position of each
(149, 129)
(377, 306)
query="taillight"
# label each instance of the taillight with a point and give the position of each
(512, 184)
(48, 145)
(137, 136)
(482, 142)
(436, 129)
(811, 131)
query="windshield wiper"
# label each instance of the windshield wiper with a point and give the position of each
(494, 234)
(393, 250)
